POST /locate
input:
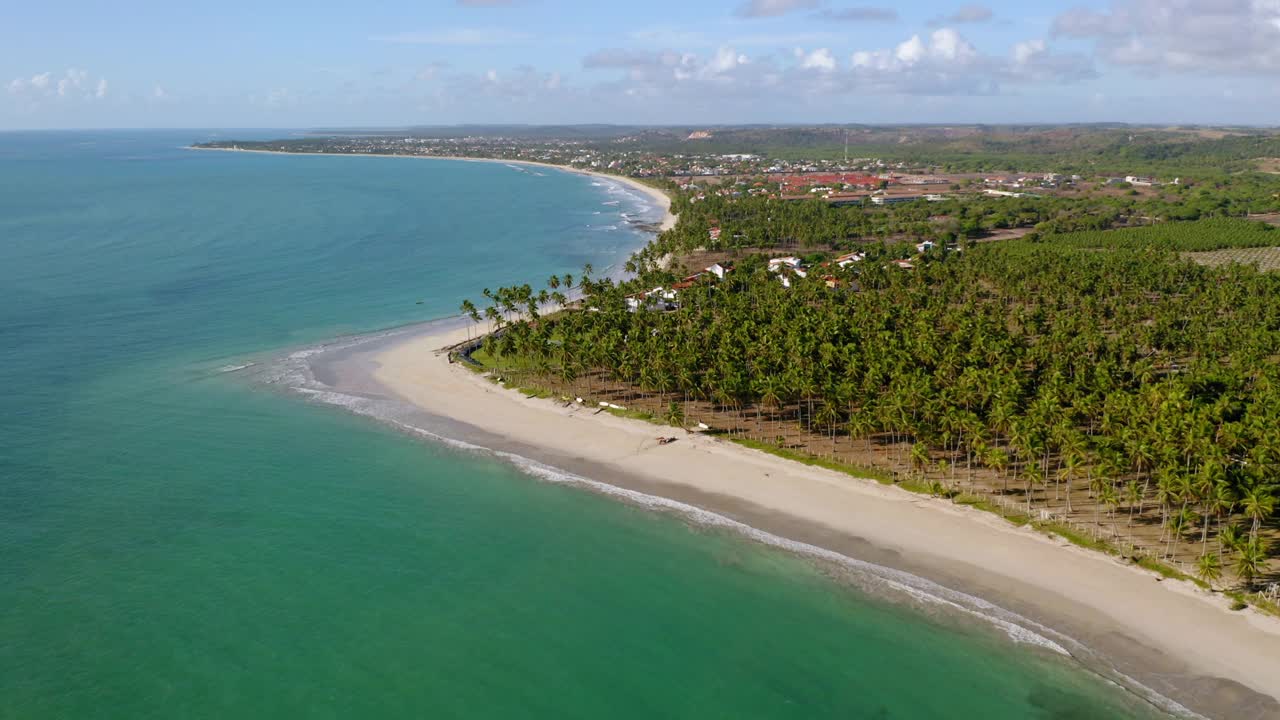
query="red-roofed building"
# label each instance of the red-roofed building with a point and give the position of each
(795, 183)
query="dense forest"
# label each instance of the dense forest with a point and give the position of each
(1099, 377)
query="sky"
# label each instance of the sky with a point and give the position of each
(290, 64)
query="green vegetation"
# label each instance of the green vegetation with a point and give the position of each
(1266, 259)
(1205, 235)
(858, 471)
(1100, 379)
(761, 222)
(1085, 149)
(1090, 149)
(1149, 563)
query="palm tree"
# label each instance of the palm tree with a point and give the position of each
(1132, 497)
(469, 310)
(1111, 499)
(1070, 469)
(1209, 568)
(998, 460)
(1033, 476)
(675, 413)
(770, 395)
(1217, 504)
(1004, 355)
(829, 416)
(1179, 522)
(861, 424)
(919, 456)
(1257, 503)
(1230, 538)
(1250, 561)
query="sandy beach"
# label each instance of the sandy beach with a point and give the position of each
(1171, 637)
(1181, 642)
(661, 199)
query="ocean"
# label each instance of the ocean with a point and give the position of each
(178, 542)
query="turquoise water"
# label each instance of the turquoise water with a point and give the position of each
(177, 544)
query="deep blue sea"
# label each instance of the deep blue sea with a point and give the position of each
(176, 543)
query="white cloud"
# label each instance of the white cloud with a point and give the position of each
(820, 59)
(1025, 51)
(72, 84)
(72, 81)
(726, 59)
(1209, 36)
(910, 52)
(158, 93)
(1032, 60)
(649, 82)
(944, 49)
(946, 44)
(940, 63)
(658, 68)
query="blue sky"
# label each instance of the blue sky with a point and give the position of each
(281, 63)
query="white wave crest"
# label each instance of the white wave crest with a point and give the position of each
(1017, 628)
(915, 586)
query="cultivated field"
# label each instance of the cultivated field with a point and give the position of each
(1266, 259)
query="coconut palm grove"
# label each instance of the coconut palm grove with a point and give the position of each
(1102, 384)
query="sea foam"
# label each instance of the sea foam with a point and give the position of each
(293, 371)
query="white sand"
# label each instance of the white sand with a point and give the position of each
(1191, 629)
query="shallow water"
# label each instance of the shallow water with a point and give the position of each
(179, 543)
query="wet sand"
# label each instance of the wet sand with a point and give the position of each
(1170, 637)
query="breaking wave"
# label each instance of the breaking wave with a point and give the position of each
(293, 371)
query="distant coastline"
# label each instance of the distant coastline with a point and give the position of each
(1171, 637)
(660, 198)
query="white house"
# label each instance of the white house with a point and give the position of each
(656, 299)
(851, 258)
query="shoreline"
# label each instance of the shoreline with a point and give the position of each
(1167, 636)
(660, 198)
(1176, 641)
